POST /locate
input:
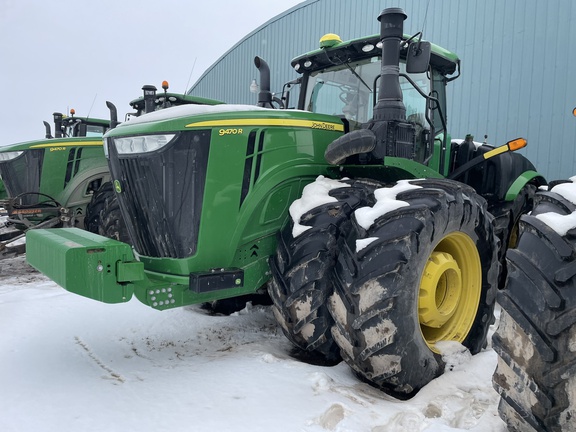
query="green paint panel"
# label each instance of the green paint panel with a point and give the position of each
(3, 193)
(84, 263)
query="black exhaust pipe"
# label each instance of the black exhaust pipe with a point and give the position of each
(113, 115)
(390, 105)
(57, 124)
(265, 95)
(48, 131)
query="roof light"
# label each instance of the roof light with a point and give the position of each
(367, 48)
(72, 112)
(574, 112)
(307, 63)
(165, 85)
(329, 40)
(297, 68)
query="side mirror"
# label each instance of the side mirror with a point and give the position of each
(418, 57)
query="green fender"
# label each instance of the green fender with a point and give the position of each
(521, 181)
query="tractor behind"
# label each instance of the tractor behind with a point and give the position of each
(64, 180)
(377, 237)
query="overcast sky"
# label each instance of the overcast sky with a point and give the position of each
(56, 55)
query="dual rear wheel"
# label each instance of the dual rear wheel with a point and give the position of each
(409, 266)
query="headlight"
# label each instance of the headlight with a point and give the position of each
(105, 147)
(141, 143)
(6, 156)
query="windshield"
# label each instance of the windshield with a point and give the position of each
(347, 90)
(79, 128)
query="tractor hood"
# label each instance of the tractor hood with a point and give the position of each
(50, 143)
(186, 111)
(186, 117)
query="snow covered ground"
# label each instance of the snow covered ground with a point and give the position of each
(73, 364)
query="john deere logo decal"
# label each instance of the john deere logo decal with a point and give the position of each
(117, 186)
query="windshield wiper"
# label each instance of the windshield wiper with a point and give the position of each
(358, 76)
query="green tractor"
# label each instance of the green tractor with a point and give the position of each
(378, 238)
(64, 180)
(50, 182)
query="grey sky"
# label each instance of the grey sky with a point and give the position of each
(56, 55)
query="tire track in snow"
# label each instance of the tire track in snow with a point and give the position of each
(113, 375)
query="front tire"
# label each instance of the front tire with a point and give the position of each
(300, 284)
(421, 273)
(536, 338)
(111, 223)
(95, 206)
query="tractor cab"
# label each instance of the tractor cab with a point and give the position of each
(344, 79)
(75, 127)
(152, 101)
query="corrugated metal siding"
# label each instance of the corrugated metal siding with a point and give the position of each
(517, 64)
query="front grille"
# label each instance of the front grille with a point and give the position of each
(23, 174)
(162, 194)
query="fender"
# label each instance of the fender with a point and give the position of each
(521, 181)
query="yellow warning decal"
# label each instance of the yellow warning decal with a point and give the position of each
(338, 127)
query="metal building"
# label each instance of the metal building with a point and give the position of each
(517, 62)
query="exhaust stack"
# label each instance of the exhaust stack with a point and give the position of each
(113, 115)
(48, 131)
(265, 95)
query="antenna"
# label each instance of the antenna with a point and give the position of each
(425, 18)
(190, 76)
(93, 100)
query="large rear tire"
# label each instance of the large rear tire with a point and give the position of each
(301, 267)
(424, 271)
(536, 338)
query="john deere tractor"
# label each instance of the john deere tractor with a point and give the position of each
(50, 182)
(378, 238)
(64, 180)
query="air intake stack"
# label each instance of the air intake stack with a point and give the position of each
(58, 117)
(394, 135)
(390, 105)
(388, 133)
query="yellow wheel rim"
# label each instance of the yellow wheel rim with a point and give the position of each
(450, 290)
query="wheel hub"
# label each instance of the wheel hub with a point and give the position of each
(449, 291)
(440, 290)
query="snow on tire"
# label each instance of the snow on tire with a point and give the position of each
(536, 338)
(420, 267)
(306, 252)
